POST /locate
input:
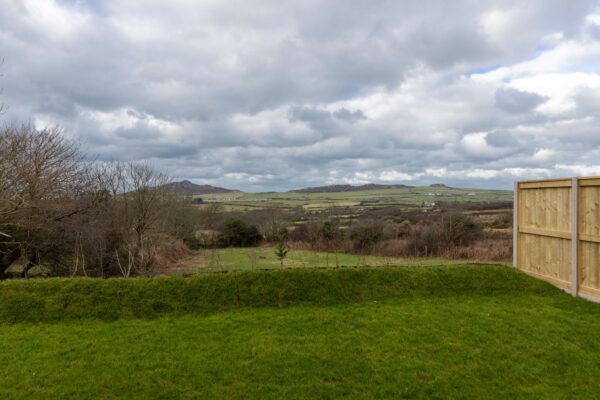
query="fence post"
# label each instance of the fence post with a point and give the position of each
(574, 236)
(516, 226)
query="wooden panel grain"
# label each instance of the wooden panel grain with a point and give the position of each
(589, 181)
(546, 209)
(590, 266)
(545, 184)
(589, 231)
(590, 294)
(589, 212)
(549, 214)
(521, 204)
(589, 238)
(561, 284)
(546, 256)
(575, 203)
(544, 232)
(516, 225)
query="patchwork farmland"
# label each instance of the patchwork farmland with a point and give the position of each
(407, 197)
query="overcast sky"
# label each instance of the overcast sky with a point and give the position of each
(273, 95)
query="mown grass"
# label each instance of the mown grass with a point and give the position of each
(456, 331)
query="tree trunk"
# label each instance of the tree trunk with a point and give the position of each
(26, 268)
(30, 264)
(7, 261)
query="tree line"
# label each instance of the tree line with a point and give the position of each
(70, 216)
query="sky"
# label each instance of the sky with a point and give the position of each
(274, 95)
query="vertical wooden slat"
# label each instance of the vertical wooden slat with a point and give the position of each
(574, 236)
(521, 207)
(516, 226)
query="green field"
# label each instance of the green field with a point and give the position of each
(365, 198)
(260, 258)
(430, 332)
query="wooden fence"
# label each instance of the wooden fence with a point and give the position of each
(557, 233)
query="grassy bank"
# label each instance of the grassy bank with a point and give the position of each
(456, 331)
(51, 300)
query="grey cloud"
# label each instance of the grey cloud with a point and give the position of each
(292, 92)
(501, 139)
(308, 114)
(312, 114)
(516, 101)
(587, 102)
(351, 116)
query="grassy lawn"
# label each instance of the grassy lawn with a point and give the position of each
(255, 258)
(454, 331)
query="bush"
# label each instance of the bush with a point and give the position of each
(447, 233)
(459, 230)
(239, 233)
(502, 221)
(299, 233)
(365, 235)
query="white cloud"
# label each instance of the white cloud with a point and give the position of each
(277, 95)
(579, 170)
(593, 19)
(544, 154)
(395, 176)
(560, 88)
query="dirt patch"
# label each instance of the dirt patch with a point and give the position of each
(185, 266)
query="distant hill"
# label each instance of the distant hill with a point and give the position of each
(347, 188)
(187, 188)
(439, 185)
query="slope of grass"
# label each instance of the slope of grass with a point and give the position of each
(456, 331)
(51, 300)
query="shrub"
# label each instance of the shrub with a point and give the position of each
(365, 235)
(239, 233)
(459, 230)
(444, 234)
(281, 252)
(299, 233)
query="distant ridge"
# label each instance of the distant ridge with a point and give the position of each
(187, 188)
(439, 185)
(347, 188)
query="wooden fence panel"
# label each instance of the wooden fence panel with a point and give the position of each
(547, 258)
(557, 232)
(545, 230)
(589, 237)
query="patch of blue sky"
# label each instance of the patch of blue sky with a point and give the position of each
(542, 48)
(484, 70)
(586, 68)
(95, 6)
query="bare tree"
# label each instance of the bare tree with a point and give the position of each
(139, 215)
(80, 218)
(148, 195)
(42, 184)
